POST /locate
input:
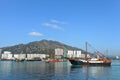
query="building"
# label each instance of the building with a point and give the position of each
(82, 56)
(0, 53)
(19, 56)
(117, 57)
(74, 54)
(70, 53)
(29, 56)
(36, 56)
(7, 55)
(58, 53)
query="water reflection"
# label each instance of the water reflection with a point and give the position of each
(47, 71)
(92, 72)
(5, 68)
(55, 71)
(62, 70)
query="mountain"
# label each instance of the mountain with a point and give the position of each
(43, 46)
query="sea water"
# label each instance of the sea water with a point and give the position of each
(39, 70)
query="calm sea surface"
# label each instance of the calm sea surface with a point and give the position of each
(10, 70)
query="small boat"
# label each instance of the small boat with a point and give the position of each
(33, 60)
(19, 60)
(101, 60)
(51, 60)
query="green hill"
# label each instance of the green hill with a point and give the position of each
(43, 46)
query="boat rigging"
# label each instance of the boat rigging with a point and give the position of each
(99, 60)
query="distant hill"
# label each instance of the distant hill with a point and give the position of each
(43, 46)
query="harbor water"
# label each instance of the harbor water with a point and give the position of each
(39, 70)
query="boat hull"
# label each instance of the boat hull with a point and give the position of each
(52, 60)
(78, 62)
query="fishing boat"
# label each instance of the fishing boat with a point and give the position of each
(99, 60)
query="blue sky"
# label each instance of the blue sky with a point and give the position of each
(72, 22)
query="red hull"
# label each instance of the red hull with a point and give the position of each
(52, 60)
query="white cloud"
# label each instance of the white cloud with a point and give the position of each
(55, 26)
(56, 21)
(35, 33)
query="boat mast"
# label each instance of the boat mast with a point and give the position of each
(86, 51)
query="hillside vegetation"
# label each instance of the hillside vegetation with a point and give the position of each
(41, 47)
